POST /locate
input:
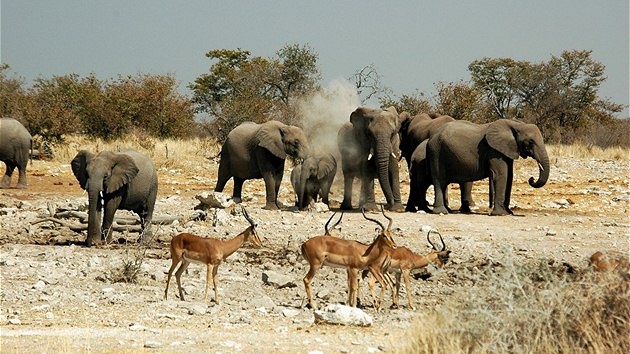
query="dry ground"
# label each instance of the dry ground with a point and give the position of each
(61, 298)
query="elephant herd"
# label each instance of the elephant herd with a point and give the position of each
(439, 150)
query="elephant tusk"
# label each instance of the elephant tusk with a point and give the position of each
(369, 156)
(100, 194)
(541, 167)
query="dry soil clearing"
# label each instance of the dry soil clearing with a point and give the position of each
(59, 297)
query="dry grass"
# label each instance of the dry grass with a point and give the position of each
(531, 308)
(168, 153)
(589, 151)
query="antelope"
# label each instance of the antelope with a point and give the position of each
(349, 254)
(404, 260)
(187, 248)
(608, 261)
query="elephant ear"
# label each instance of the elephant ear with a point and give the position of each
(123, 171)
(326, 166)
(79, 167)
(269, 136)
(500, 136)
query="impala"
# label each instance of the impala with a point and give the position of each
(187, 248)
(403, 260)
(349, 254)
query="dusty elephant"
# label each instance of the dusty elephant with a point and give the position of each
(15, 144)
(463, 152)
(369, 147)
(254, 150)
(125, 180)
(313, 178)
(413, 132)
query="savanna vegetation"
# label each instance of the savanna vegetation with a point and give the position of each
(559, 95)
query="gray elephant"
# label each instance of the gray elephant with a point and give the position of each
(125, 180)
(413, 132)
(463, 152)
(15, 144)
(313, 178)
(254, 150)
(369, 147)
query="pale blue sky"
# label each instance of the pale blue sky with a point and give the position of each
(413, 44)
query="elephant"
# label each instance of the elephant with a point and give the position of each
(254, 150)
(369, 146)
(413, 132)
(313, 177)
(15, 144)
(464, 152)
(126, 180)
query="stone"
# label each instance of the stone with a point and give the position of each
(321, 207)
(198, 310)
(277, 280)
(214, 200)
(343, 315)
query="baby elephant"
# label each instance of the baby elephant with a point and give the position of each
(312, 178)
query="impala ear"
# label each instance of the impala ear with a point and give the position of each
(123, 171)
(79, 166)
(500, 136)
(270, 137)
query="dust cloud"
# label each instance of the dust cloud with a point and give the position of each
(323, 113)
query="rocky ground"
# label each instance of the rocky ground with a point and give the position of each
(58, 296)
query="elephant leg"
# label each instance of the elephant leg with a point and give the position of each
(368, 201)
(499, 173)
(347, 192)
(394, 182)
(108, 218)
(6, 179)
(224, 175)
(278, 181)
(22, 176)
(466, 197)
(270, 190)
(412, 200)
(439, 205)
(238, 189)
(508, 186)
(324, 192)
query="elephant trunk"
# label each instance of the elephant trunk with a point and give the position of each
(383, 153)
(540, 155)
(302, 193)
(94, 222)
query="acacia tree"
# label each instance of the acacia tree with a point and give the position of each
(239, 87)
(12, 93)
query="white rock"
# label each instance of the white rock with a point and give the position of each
(214, 200)
(343, 315)
(39, 285)
(321, 207)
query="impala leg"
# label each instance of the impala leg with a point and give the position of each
(353, 284)
(209, 278)
(307, 284)
(406, 276)
(174, 263)
(396, 290)
(215, 283)
(178, 277)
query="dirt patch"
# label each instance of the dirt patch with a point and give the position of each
(62, 298)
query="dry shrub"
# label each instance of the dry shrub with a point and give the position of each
(536, 307)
